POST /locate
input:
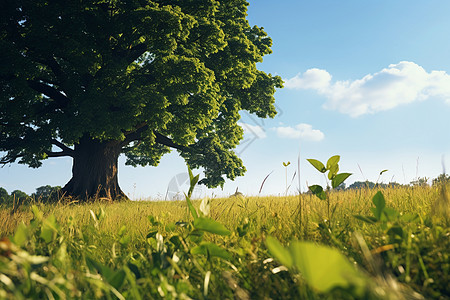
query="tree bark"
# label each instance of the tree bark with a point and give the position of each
(94, 171)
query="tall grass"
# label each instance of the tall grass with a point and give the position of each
(419, 261)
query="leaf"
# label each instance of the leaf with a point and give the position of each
(318, 191)
(196, 236)
(390, 213)
(339, 179)
(279, 252)
(383, 172)
(209, 225)
(317, 164)
(380, 204)
(153, 221)
(192, 180)
(211, 249)
(116, 279)
(367, 219)
(325, 268)
(49, 229)
(333, 171)
(333, 161)
(21, 235)
(410, 217)
(191, 207)
(286, 164)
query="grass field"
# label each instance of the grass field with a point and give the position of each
(243, 248)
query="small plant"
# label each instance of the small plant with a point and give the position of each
(389, 219)
(336, 178)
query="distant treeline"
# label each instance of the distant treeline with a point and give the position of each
(45, 193)
(49, 193)
(421, 181)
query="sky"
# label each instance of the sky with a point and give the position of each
(366, 80)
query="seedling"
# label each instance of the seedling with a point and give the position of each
(332, 168)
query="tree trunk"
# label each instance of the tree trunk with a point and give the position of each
(94, 171)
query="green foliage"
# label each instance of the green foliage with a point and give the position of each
(47, 193)
(140, 77)
(337, 179)
(332, 168)
(441, 179)
(4, 196)
(322, 267)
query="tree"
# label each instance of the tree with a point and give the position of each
(4, 196)
(47, 192)
(441, 179)
(18, 196)
(93, 79)
(361, 185)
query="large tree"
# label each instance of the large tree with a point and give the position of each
(92, 79)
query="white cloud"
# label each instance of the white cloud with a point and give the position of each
(253, 130)
(300, 131)
(311, 79)
(395, 85)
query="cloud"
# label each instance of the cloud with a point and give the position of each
(312, 79)
(253, 130)
(300, 131)
(398, 84)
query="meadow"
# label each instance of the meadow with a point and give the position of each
(361, 244)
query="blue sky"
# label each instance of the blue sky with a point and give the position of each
(368, 80)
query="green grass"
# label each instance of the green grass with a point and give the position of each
(127, 255)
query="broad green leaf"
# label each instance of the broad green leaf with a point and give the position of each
(21, 235)
(196, 235)
(153, 221)
(125, 240)
(325, 268)
(209, 225)
(191, 207)
(380, 203)
(318, 191)
(339, 179)
(333, 161)
(390, 213)
(171, 226)
(333, 171)
(410, 217)
(317, 164)
(367, 219)
(116, 279)
(279, 252)
(49, 229)
(211, 249)
(38, 215)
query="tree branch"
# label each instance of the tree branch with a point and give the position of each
(8, 159)
(132, 136)
(133, 53)
(50, 92)
(160, 139)
(68, 151)
(59, 154)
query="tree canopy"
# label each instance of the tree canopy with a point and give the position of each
(142, 76)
